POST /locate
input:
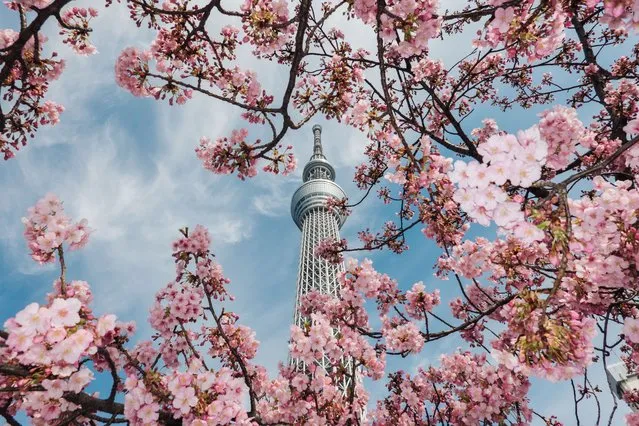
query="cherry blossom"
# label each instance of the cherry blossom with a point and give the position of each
(631, 330)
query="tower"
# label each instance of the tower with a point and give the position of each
(317, 223)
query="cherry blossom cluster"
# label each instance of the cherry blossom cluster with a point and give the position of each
(229, 155)
(419, 301)
(632, 155)
(244, 84)
(212, 277)
(337, 88)
(199, 396)
(604, 245)
(182, 301)
(182, 306)
(288, 399)
(619, 14)
(347, 314)
(426, 191)
(47, 228)
(631, 330)
(361, 281)
(402, 336)
(389, 237)
(549, 338)
(54, 340)
(188, 392)
(192, 397)
(132, 73)
(235, 155)
(554, 346)
(36, 326)
(562, 131)
(469, 259)
(177, 74)
(330, 250)
(229, 333)
(280, 158)
(140, 407)
(266, 25)
(76, 29)
(463, 390)
(416, 21)
(319, 342)
(525, 28)
(130, 70)
(514, 159)
(338, 206)
(196, 243)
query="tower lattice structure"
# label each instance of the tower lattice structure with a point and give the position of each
(317, 223)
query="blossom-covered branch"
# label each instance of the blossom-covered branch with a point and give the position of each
(26, 69)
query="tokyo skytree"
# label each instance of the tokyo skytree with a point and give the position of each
(317, 223)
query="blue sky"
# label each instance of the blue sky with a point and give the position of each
(128, 166)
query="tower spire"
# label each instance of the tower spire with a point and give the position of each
(318, 152)
(318, 166)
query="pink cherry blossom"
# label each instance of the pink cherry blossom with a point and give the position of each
(64, 312)
(632, 127)
(34, 318)
(631, 330)
(503, 18)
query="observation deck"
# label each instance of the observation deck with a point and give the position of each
(318, 186)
